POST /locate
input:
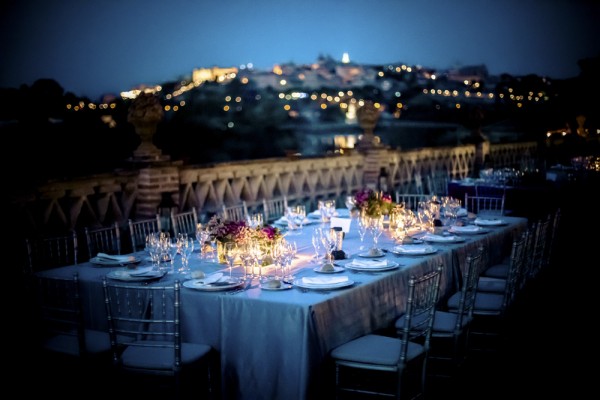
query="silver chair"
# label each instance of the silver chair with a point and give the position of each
(485, 205)
(144, 325)
(273, 209)
(437, 184)
(238, 212)
(450, 333)
(103, 240)
(50, 252)
(138, 230)
(59, 321)
(553, 236)
(404, 357)
(491, 306)
(537, 255)
(185, 222)
(411, 200)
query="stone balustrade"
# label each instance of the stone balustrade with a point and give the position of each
(135, 194)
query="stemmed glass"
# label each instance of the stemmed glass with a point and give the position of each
(186, 248)
(290, 251)
(363, 225)
(376, 228)
(202, 236)
(316, 242)
(231, 253)
(300, 211)
(329, 243)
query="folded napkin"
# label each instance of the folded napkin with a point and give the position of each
(325, 280)
(438, 238)
(115, 258)
(488, 221)
(370, 263)
(461, 212)
(212, 278)
(413, 249)
(141, 271)
(283, 221)
(466, 228)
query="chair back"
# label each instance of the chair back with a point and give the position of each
(518, 258)
(411, 200)
(50, 252)
(437, 184)
(484, 205)
(144, 327)
(273, 209)
(552, 236)
(184, 222)
(103, 240)
(139, 230)
(238, 212)
(540, 240)
(59, 314)
(421, 300)
(474, 264)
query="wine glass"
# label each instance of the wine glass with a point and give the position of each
(231, 253)
(202, 236)
(329, 243)
(316, 242)
(376, 228)
(186, 248)
(363, 225)
(300, 211)
(290, 251)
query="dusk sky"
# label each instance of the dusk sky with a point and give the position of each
(96, 47)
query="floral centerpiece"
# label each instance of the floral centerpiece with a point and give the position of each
(372, 203)
(223, 230)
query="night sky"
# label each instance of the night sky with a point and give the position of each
(96, 47)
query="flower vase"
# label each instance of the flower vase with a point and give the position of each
(221, 252)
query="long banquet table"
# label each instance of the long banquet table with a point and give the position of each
(274, 344)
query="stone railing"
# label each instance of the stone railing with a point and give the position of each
(135, 194)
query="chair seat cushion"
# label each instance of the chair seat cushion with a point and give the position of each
(445, 322)
(492, 285)
(484, 302)
(375, 349)
(162, 358)
(497, 271)
(64, 344)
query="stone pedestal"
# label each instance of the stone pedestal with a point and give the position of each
(145, 113)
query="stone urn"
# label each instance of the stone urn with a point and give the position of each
(368, 115)
(144, 114)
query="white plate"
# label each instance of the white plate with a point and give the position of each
(284, 286)
(442, 239)
(467, 230)
(299, 283)
(390, 265)
(413, 250)
(104, 261)
(124, 275)
(336, 269)
(212, 287)
(368, 255)
(489, 221)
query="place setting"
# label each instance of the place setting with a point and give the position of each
(215, 282)
(491, 221)
(412, 250)
(467, 230)
(441, 239)
(104, 259)
(323, 282)
(136, 274)
(371, 265)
